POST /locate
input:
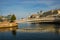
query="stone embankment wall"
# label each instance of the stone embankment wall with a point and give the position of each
(7, 24)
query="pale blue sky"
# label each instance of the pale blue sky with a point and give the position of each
(24, 8)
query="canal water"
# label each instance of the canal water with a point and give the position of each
(27, 31)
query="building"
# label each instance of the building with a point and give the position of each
(59, 11)
(5, 18)
(46, 14)
(34, 16)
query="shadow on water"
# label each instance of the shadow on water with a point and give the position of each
(41, 24)
(14, 31)
(14, 34)
(57, 27)
(52, 32)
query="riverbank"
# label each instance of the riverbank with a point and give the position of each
(7, 24)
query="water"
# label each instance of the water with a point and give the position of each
(26, 31)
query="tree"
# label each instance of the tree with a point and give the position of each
(13, 18)
(55, 12)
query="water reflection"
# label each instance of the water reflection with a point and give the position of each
(31, 31)
(57, 28)
(40, 28)
(14, 31)
(34, 28)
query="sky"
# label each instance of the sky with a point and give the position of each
(24, 8)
